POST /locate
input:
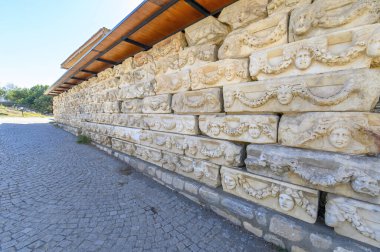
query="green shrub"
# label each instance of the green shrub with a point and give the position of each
(82, 139)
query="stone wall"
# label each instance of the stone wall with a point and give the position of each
(273, 103)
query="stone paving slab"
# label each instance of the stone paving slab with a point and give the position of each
(57, 195)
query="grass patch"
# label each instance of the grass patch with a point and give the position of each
(82, 139)
(11, 112)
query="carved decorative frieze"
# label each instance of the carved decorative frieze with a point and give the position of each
(183, 124)
(148, 154)
(219, 73)
(98, 138)
(123, 146)
(142, 58)
(145, 73)
(170, 45)
(243, 12)
(207, 31)
(349, 90)
(124, 67)
(326, 16)
(355, 219)
(172, 83)
(132, 106)
(127, 134)
(111, 107)
(198, 102)
(197, 55)
(348, 49)
(166, 65)
(140, 90)
(269, 32)
(245, 128)
(159, 104)
(348, 175)
(128, 120)
(285, 6)
(349, 132)
(163, 141)
(296, 201)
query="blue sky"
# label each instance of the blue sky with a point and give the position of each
(38, 35)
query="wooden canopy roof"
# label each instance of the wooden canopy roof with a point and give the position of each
(151, 22)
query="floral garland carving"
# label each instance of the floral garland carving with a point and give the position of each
(214, 153)
(324, 56)
(239, 130)
(201, 100)
(258, 42)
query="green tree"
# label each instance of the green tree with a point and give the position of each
(2, 92)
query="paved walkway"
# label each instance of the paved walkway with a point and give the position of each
(57, 195)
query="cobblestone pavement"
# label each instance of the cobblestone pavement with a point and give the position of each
(57, 195)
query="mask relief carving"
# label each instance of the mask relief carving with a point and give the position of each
(157, 104)
(202, 101)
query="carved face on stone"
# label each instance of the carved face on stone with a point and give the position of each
(193, 149)
(229, 181)
(367, 185)
(229, 72)
(230, 156)
(214, 129)
(340, 137)
(285, 202)
(303, 59)
(284, 95)
(302, 23)
(198, 171)
(373, 48)
(228, 98)
(254, 130)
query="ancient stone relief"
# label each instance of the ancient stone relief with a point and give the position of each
(148, 154)
(245, 128)
(142, 58)
(132, 106)
(349, 132)
(296, 201)
(163, 141)
(197, 56)
(157, 104)
(124, 67)
(355, 219)
(140, 90)
(123, 146)
(166, 65)
(207, 31)
(183, 124)
(198, 102)
(128, 120)
(326, 16)
(348, 175)
(244, 12)
(111, 107)
(348, 49)
(269, 32)
(285, 6)
(146, 73)
(219, 73)
(349, 90)
(172, 83)
(172, 44)
(98, 138)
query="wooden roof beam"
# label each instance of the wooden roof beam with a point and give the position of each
(198, 7)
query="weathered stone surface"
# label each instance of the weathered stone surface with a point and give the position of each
(209, 195)
(123, 146)
(150, 155)
(132, 106)
(98, 138)
(163, 141)
(269, 32)
(351, 176)
(170, 45)
(238, 207)
(245, 128)
(296, 201)
(348, 49)
(254, 230)
(142, 58)
(286, 228)
(349, 90)
(127, 120)
(198, 102)
(285, 6)
(172, 83)
(197, 55)
(243, 12)
(275, 240)
(111, 107)
(320, 241)
(139, 90)
(326, 16)
(198, 170)
(207, 31)
(127, 134)
(184, 124)
(166, 65)
(157, 104)
(354, 219)
(145, 73)
(349, 132)
(220, 73)
(215, 151)
(226, 215)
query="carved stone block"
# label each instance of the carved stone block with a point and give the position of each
(127, 134)
(198, 170)
(146, 73)
(326, 16)
(142, 58)
(296, 201)
(243, 12)
(207, 31)
(269, 32)
(123, 146)
(139, 90)
(128, 120)
(172, 83)
(157, 104)
(166, 65)
(354, 219)
(98, 138)
(215, 151)
(349, 90)
(219, 73)
(148, 154)
(132, 106)
(124, 67)
(111, 107)
(348, 175)
(348, 49)
(349, 132)
(170, 45)
(163, 141)
(285, 6)
(197, 55)
(183, 124)
(245, 128)
(198, 102)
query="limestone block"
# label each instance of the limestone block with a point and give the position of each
(127, 134)
(245, 128)
(123, 146)
(172, 83)
(126, 78)
(348, 175)
(148, 154)
(198, 170)
(111, 107)
(219, 73)
(167, 64)
(326, 16)
(163, 141)
(355, 219)
(124, 67)
(348, 90)
(215, 151)
(128, 120)
(243, 12)
(139, 90)
(269, 32)
(348, 49)
(198, 102)
(170, 45)
(157, 104)
(98, 138)
(144, 73)
(207, 31)
(132, 106)
(285, 6)
(296, 201)
(197, 55)
(142, 58)
(349, 132)
(183, 124)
